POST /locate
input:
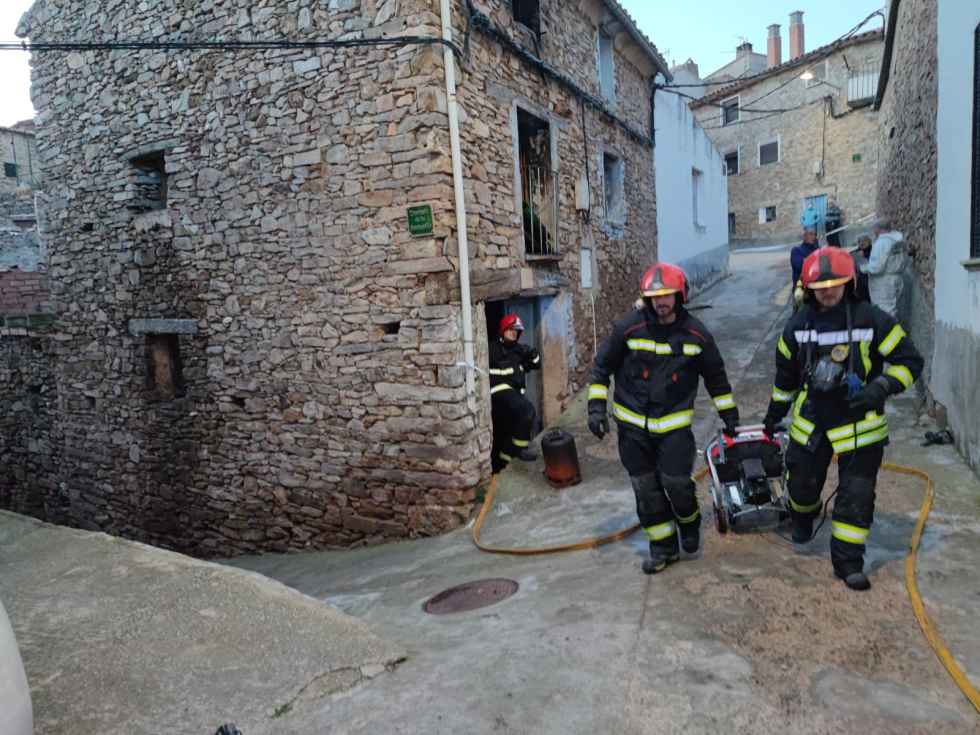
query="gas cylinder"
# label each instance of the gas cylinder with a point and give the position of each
(561, 466)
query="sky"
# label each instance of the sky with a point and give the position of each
(707, 31)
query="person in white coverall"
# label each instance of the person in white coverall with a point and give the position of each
(886, 267)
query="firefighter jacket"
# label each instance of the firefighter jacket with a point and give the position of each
(863, 345)
(657, 370)
(509, 361)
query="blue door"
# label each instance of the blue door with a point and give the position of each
(819, 203)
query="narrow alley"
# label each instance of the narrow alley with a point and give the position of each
(751, 637)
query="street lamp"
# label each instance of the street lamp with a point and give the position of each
(808, 76)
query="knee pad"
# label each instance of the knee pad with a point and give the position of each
(680, 492)
(650, 499)
(856, 500)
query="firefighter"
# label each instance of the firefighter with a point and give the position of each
(657, 354)
(513, 415)
(831, 369)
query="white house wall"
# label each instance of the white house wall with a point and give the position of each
(683, 146)
(956, 374)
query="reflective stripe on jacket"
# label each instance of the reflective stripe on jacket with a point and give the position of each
(657, 370)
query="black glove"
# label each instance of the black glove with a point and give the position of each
(731, 424)
(598, 423)
(771, 420)
(871, 397)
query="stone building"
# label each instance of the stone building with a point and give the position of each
(790, 142)
(929, 188)
(255, 258)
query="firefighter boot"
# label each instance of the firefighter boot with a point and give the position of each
(803, 528)
(691, 536)
(662, 555)
(854, 580)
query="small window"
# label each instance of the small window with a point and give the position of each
(975, 234)
(731, 164)
(528, 13)
(607, 68)
(614, 180)
(164, 373)
(767, 214)
(769, 153)
(150, 182)
(539, 185)
(731, 223)
(697, 181)
(10, 170)
(729, 111)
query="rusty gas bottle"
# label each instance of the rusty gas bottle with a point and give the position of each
(561, 466)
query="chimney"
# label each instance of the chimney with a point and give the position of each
(796, 45)
(744, 49)
(775, 46)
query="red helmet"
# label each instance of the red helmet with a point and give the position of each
(828, 267)
(662, 279)
(511, 321)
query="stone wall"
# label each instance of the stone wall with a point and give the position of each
(825, 147)
(312, 394)
(907, 182)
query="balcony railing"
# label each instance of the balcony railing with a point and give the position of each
(862, 84)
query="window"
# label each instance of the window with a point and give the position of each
(697, 181)
(607, 69)
(164, 374)
(819, 72)
(731, 164)
(614, 181)
(769, 153)
(975, 229)
(729, 111)
(150, 182)
(767, 214)
(528, 13)
(539, 190)
(731, 223)
(10, 170)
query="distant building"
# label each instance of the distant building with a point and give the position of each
(796, 133)
(20, 175)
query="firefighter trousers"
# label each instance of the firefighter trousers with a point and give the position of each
(854, 506)
(660, 468)
(513, 421)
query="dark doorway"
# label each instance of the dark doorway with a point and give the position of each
(529, 310)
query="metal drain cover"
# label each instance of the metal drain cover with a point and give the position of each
(471, 596)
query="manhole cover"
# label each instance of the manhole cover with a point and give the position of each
(471, 596)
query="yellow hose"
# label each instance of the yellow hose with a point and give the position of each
(928, 629)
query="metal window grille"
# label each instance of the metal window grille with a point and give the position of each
(540, 202)
(862, 83)
(975, 218)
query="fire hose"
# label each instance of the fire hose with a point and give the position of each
(918, 608)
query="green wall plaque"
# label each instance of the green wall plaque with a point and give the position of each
(420, 220)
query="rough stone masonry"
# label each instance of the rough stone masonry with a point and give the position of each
(252, 352)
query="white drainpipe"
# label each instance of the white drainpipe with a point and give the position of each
(469, 355)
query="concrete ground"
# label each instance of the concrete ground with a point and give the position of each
(750, 636)
(121, 638)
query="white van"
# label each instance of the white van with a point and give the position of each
(15, 697)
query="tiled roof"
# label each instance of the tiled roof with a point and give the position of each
(639, 36)
(804, 60)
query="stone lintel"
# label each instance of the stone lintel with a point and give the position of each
(141, 327)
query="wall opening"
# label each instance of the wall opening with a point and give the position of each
(539, 190)
(528, 13)
(697, 196)
(731, 164)
(769, 153)
(614, 184)
(164, 375)
(149, 181)
(729, 111)
(607, 67)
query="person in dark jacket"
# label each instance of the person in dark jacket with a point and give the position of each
(657, 355)
(831, 369)
(512, 414)
(796, 257)
(833, 220)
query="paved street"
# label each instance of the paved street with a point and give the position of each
(752, 636)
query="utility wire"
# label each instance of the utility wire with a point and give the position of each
(398, 41)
